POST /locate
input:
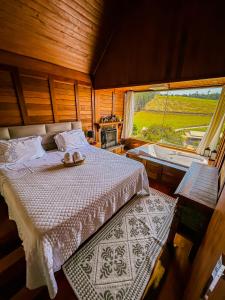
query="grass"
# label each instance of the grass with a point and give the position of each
(147, 118)
(181, 104)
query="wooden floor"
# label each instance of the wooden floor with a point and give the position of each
(12, 267)
(177, 276)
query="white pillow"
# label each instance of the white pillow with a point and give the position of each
(17, 150)
(70, 139)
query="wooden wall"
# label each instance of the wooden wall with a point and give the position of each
(33, 92)
(221, 152)
(9, 107)
(86, 104)
(212, 247)
(165, 41)
(36, 97)
(107, 102)
(32, 97)
(213, 244)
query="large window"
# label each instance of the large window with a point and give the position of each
(175, 117)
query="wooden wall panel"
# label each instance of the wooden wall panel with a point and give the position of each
(103, 103)
(37, 99)
(84, 94)
(221, 152)
(109, 102)
(65, 101)
(118, 107)
(213, 245)
(9, 108)
(34, 97)
(118, 103)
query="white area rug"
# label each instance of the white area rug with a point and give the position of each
(118, 261)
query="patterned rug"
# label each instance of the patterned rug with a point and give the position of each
(118, 261)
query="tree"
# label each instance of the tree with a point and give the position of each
(157, 133)
(135, 129)
(141, 98)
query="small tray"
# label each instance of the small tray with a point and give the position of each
(76, 163)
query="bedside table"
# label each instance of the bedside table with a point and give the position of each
(197, 197)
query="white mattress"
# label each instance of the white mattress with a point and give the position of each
(57, 208)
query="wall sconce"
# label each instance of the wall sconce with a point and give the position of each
(213, 155)
(91, 134)
(90, 137)
(207, 152)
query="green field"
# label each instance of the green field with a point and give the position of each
(181, 104)
(147, 118)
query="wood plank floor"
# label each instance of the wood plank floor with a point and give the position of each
(172, 286)
(177, 276)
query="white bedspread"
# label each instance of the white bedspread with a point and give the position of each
(57, 208)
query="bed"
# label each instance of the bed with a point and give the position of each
(56, 208)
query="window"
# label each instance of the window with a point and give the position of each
(175, 117)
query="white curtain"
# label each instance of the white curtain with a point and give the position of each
(211, 137)
(128, 115)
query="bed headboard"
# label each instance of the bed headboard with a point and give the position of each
(47, 131)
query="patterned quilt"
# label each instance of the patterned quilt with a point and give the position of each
(118, 261)
(57, 208)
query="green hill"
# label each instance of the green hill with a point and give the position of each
(181, 104)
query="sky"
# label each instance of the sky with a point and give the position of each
(191, 91)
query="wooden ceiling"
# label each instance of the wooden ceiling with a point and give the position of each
(160, 41)
(69, 33)
(119, 42)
